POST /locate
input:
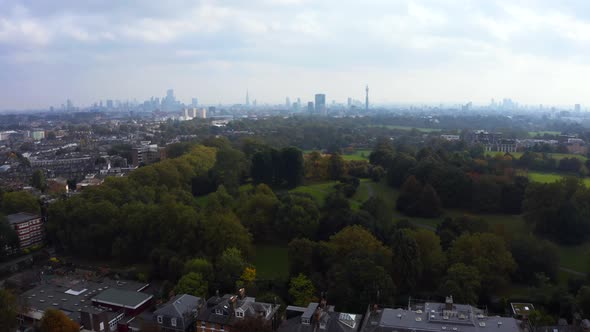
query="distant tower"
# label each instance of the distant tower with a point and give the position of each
(320, 104)
(247, 98)
(367, 99)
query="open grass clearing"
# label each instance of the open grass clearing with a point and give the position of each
(543, 132)
(543, 177)
(408, 128)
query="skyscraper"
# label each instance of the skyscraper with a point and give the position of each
(320, 104)
(367, 99)
(247, 98)
(288, 102)
(310, 107)
(195, 102)
(577, 107)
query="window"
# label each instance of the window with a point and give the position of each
(203, 324)
(173, 321)
(101, 326)
(218, 312)
(240, 314)
(221, 328)
(160, 320)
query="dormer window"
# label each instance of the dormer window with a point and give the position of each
(305, 321)
(322, 326)
(173, 321)
(160, 320)
(240, 314)
(218, 312)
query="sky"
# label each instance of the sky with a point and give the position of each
(431, 51)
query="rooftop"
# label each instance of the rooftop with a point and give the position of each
(17, 218)
(180, 306)
(122, 298)
(437, 317)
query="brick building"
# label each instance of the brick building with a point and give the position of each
(28, 227)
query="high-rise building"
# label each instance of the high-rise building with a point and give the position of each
(287, 102)
(109, 103)
(367, 98)
(195, 102)
(310, 107)
(247, 98)
(69, 105)
(577, 107)
(320, 104)
(170, 93)
(349, 102)
(298, 102)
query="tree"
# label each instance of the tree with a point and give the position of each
(532, 256)
(192, 284)
(429, 205)
(583, 300)
(336, 168)
(8, 237)
(229, 268)
(431, 254)
(406, 259)
(292, 170)
(38, 180)
(201, 266)
(257, 212)
(409, 195)
(224, 230)
(488, 254)
(297, 216)
(20, 201)
(301, 290)
(8, 310)
(463, 282)
(55, 320)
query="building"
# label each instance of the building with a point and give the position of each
(429, 317)
(128, 301)
(310, 107)
(450, 137)
(179, 314)
(38, 134)
(367, 99)
(145, 154)
(28, 227)
(76, 298)
(319, 317)
(492, 141)
(320, 104)
(577, 107)
(201, 113)
(221, 313)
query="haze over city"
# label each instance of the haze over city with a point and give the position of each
(407, 51)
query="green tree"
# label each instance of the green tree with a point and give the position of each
(486, 252)
(224, 230)
(431, 254)
(55, 320)
(8, 310)
(336, 168)
(38, 180)
(301, 290)
(407, 261)
(297, 217)
(463, 282)
(8, 237)
(200, 266)
(257, 212)
(292, 167)
(193, 284)
(229, 268)
(20, 201)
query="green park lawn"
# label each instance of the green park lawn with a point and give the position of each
(362, 154)
(556, 156)
(271, 262)
(543, 177)
(516, 155)
(541, 133)
(318, 191)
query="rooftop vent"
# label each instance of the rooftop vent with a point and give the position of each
(399, 316)
(418, 319)
(418, 311)
(499, 323)
(446, 317)
(444, 328)
(482, 324)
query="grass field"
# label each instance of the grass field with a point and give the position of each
(357, 155)
(271, 262)
(318, 191)
(556, 156)
(551, 177)
(516, 155)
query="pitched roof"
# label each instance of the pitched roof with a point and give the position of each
(179, 305)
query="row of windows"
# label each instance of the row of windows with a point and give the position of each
(172, 321)
(204, 326)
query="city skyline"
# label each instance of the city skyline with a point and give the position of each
(408, 51)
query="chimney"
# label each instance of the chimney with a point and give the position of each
(449, 303)
(242, 293)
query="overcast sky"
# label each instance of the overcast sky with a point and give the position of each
(407, 51)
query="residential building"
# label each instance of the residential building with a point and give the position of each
(430, 316)
(450, 137)
(179, 314)
(145, 154)
(131, 302)
(319, 317)
(222, 312)
(28, 227)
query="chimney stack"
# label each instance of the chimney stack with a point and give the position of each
(449, 303)
(242, 293)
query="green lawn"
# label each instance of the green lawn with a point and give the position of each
(516, 155)
(550, 177)
(318, 191)
(271, 262)
(575, 257)
(557, 156)
(357, 155)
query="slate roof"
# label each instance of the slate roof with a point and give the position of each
(331, 320)
(179, 305)
(228, 304)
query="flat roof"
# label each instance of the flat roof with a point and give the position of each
(122, 298)
(17, 218)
